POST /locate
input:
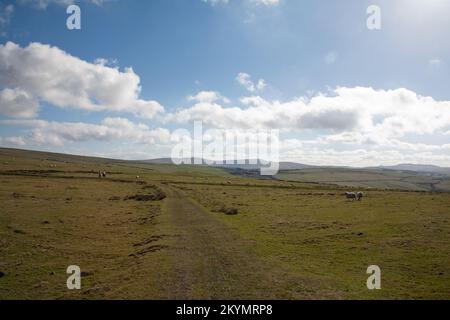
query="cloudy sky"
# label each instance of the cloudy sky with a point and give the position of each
(339, 93)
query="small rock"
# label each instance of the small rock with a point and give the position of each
(2, 274)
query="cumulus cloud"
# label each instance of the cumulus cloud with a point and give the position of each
(208, 96)
(54, 76)
(107, 62)
(369, 112)
(43, 132)
(361, 156)
(16, 103)
(12, 141)
(244, 79)
(325, 150)
(357, 126)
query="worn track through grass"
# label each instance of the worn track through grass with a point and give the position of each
(214, 262)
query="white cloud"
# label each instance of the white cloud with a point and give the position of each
(376, 114)
(360, 156)
(208, 96)
(16, 103)
(67, 81)
(107, 62)
(244, 79)
(12, 141)
(110, 129)
(357, 126)
(261, 85)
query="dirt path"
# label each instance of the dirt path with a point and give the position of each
(213, 261)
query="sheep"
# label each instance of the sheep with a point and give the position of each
(351, 195)
(359, 195)
(354, 195)
(102, 174)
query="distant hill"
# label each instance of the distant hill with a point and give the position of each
(241, 164)
(285, 165)
(158, 161)
(417, 168)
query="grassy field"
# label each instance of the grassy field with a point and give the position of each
(371, 178)
(289, 239)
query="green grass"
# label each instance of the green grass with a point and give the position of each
(324, 236)
(370, 178)
(290, 240)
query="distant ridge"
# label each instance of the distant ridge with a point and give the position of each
(416, 168)
(237, 164)
(158, 161)
(283, 165)
(286, 165)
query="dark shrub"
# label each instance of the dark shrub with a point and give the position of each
(160, 195)
(147, 197)
(229, 211)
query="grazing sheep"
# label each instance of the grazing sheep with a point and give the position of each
(104, 174)
(138, 178)
(351, 195)
(359, 196)
(99, 174)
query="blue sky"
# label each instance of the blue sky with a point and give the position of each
(300, 50)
